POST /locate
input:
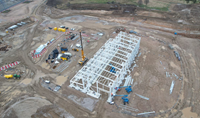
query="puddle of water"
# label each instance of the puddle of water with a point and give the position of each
(61, 80)
(188, 114)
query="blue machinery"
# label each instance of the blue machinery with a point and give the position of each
(128, 88)
(124, 97)
(125, 100)
(112, 69)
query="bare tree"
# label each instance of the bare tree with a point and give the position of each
(140, 2)
(68, 4)
(187, 1)
(194, 1)
(146, 2)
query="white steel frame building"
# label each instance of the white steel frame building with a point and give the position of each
(95, 76)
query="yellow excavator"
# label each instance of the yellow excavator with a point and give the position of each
(84, 59)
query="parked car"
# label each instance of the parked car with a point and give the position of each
(47, 81)
(99, 33)
(19, 24)
(62, 26)
(177, 55)
(57, 88)
(78, 45)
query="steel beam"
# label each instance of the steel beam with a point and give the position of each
(119, 52)
(93, 65)
(108, 63)
(99, 75)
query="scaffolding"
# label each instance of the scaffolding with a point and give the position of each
(96, 76)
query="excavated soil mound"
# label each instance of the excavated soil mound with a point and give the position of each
(95, 7)
(180, 7)
(108, 7)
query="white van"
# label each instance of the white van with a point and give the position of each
(67, 53)
(78, 45)
(47, 81)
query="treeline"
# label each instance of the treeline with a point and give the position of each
(194, 1)
(147, 1)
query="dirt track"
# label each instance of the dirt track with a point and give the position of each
(189, 65)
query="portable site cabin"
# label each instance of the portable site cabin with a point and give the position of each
(67, 53)
(64, 49)
(12, 27)
(59, 56)
(40, 48)
(52, 40)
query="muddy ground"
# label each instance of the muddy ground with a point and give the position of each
(30, 96)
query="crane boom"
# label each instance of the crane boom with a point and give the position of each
(84, 60)
(82, 53)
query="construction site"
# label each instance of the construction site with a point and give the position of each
(99, 59)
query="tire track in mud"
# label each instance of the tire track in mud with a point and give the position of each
(68, 105)
(190, 80)
(187, 88)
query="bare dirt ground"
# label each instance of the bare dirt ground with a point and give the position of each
(27, 97)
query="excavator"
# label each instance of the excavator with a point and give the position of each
(84, 59)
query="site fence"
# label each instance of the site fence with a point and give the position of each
(5, 4)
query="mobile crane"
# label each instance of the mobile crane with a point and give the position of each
(84, 59)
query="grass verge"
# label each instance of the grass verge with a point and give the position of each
(6, 11)
(154, 8)
(27, 1)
